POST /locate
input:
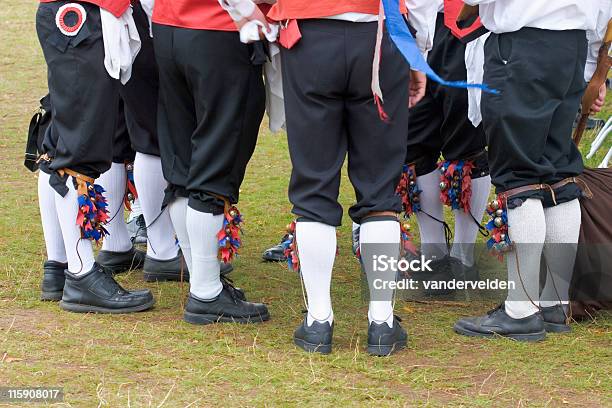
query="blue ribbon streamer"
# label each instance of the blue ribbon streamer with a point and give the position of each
(405, 42)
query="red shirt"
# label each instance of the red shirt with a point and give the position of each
(117, 7)
(302, 9)
(195, 14)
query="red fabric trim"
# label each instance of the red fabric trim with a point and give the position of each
(300, 9)
(116, 7)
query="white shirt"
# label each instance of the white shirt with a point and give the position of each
(503, 16)
(596, 36)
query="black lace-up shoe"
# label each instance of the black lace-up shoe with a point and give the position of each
(316, 338)
(119, 262)
(98, 292)
(497, 322)
(276, 253)
(463, 272)
(555, 319)
(173, 269)
(138, 230)
(230, 306)
(170, 270)
(384, 340)
(52, 286)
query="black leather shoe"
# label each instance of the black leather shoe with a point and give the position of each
(276, 253)
(463, 272)
(384, 340)
(170, 270)
(98, 292)
(119, 262)
(165, 270)
(555, 319)
(316, 338)
(230, 306)
(497, 322)
(138, 230)
(52, 286)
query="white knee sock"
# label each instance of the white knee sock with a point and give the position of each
(527, 230)
(150, 184)
(50, 223)
(316, 245)
(433, 242)
(178, 214)
(202, 229)
(78, 251)
(466, 228)
(381, 232)
(114, 182)
(562, 231)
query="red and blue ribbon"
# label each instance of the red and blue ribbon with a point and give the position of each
(93, 213)
(229, 235)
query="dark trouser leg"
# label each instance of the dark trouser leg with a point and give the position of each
(376, 152)
(330, 111)
(141, 96)
(84, 97)
(207, 134)
(312, 85)
(84, 107)
(530, 69)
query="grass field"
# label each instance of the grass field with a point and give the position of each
(155, 359)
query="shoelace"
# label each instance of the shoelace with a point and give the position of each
(492, 311)
(109, 283)
(234, 292)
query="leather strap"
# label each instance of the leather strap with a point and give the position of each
(76, 175)
(31, 150)
(585, 188)
(530, 187)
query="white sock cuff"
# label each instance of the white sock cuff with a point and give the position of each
(383, 231)
(519, 309)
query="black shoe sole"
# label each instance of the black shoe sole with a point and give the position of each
(164, 277)
(519, 337)
(47, 296)
(200, 319)
(556, 328)
(380, 350)
(78, 308)
(313, 348)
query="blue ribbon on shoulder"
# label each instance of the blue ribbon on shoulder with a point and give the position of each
(406, 44)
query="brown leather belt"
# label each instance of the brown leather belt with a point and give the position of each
(585, 188)
(531, 187)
